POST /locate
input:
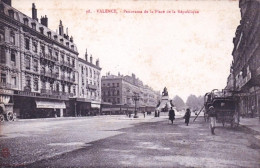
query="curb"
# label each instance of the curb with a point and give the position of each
(248, 129)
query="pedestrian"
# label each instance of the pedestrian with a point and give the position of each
(187, 116)
(171, 115)
(212, 118)
(144, 113)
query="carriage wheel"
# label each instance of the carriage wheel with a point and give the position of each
(2, 118)
(10, 116)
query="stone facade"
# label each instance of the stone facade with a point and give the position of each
(120, 91)
(245, 75)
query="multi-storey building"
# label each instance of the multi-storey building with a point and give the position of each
(38, 65)
(89, 87)
(121, 90)
(246, 59)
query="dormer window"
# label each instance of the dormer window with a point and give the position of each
(41, 30)
(11, 13)
(34, 26)
(61, 40)
(25, 20)
(49, 34)
(55, 37)
(67, 44)
(72, 47)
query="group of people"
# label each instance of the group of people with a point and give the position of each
(186, 116)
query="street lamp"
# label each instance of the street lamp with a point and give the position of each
(135, 97)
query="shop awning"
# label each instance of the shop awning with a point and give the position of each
(95, 105)
(50, 104)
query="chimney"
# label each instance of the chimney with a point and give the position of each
(97, 62)
(34, 12)
(61, 29)
(8, 2)
(91, 58)
(44, 21)
(86, 55)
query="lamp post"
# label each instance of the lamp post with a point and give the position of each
(135, 97)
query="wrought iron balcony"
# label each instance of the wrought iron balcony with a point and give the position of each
(5, 85)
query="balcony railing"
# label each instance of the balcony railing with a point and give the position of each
(48, 57)
(54, 92)
(94, 87)
(5, 85)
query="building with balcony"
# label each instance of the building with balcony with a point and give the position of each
(89, 87)
(38, 65)
(246, 59)
(118, 93)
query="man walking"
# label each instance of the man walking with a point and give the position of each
(212, 118)
(171, 115)
(187, 116)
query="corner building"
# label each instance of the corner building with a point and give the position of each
(38, 65)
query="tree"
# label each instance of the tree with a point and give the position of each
(178, 103)
(192, 102)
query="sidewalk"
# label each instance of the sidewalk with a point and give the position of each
(252, 124)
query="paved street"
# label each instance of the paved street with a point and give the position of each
(117, 141)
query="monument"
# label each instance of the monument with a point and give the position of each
(165, 104)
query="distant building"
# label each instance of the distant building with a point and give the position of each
(246, 59)
(119, 91)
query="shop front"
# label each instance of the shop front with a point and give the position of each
(6, 105)
(36, 105)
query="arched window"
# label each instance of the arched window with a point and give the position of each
(12, 38)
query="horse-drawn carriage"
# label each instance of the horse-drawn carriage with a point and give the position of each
(224, 106)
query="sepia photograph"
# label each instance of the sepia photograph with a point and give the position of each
(133, 83)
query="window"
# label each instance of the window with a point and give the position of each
(12, 38)
(63, 87)
(62, 57)
(36, 84)
(34, 26)
(90, 71)
(82, 70)
(28, 81)
(117, 84)
(56, 55)
(69, 89)
(82, 81)
(49, 34)
(86, 71)
(27, 44)
(118, 92)
(51, 86)
(25, 20)
(2, 35)
(57, 87)
(2, 55)
(27, 62)
(43, 50)
(35, 65)
(61, 41)
(50, 51)
(55, 37)
(13, 57)
(11, 13)
(34, 46)
(3, 78)
(73, 62)
(67, 44)
(74, 90)
(43, 85)
(118, 100)
(13, 81)
(42, 30)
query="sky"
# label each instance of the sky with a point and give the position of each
(189, 53)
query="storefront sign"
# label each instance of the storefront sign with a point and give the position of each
(23, 93)
(8, 92)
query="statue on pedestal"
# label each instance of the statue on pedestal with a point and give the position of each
(165, 92)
